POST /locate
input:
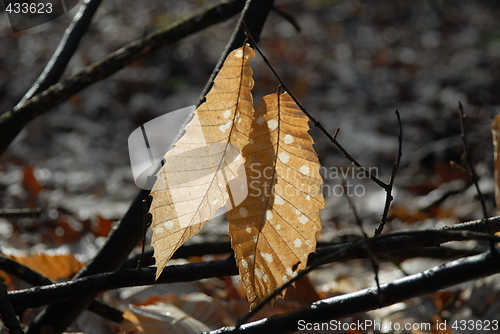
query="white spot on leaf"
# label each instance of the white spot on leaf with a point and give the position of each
(169, 224)
(273, 124)
(284, 158)
(224, 127)
(227, 113)
(268, 257)
(259, 273)
(239, 53)
(243, 212)
(278, 200)
(269, 215)
(244, 263)
(288, 139)
(297, 243)
(248, 229)
(303, 219)
(304, 169)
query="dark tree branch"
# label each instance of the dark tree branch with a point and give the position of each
(339, 307)
(114, 253)
(67, 47)
(12, 121)
(30, 276)
(382, 244)
(7, 311)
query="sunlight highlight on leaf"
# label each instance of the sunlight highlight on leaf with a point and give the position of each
(191, 186)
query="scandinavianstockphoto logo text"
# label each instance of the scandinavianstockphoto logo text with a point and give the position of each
(339, 181)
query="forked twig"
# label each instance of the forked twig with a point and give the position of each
(388, 191)
(472, 174)
(367, 246)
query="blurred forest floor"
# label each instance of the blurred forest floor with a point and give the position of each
(352, 65)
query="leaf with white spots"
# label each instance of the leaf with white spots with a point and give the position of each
(274, 229)
(191, 185)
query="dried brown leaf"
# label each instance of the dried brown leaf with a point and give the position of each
(274, 229)
(191, 186)
(55, 267)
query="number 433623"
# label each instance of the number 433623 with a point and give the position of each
(29, 8)
(473, 325)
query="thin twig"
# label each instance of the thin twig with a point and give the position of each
(287, 16)
(13, 213)
(388, 191)
(453, 164)
(473, 173)
(368, 246)
(313, 120)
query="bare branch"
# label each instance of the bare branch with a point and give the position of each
(30, 276)
(382, 244)
(339, 307)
